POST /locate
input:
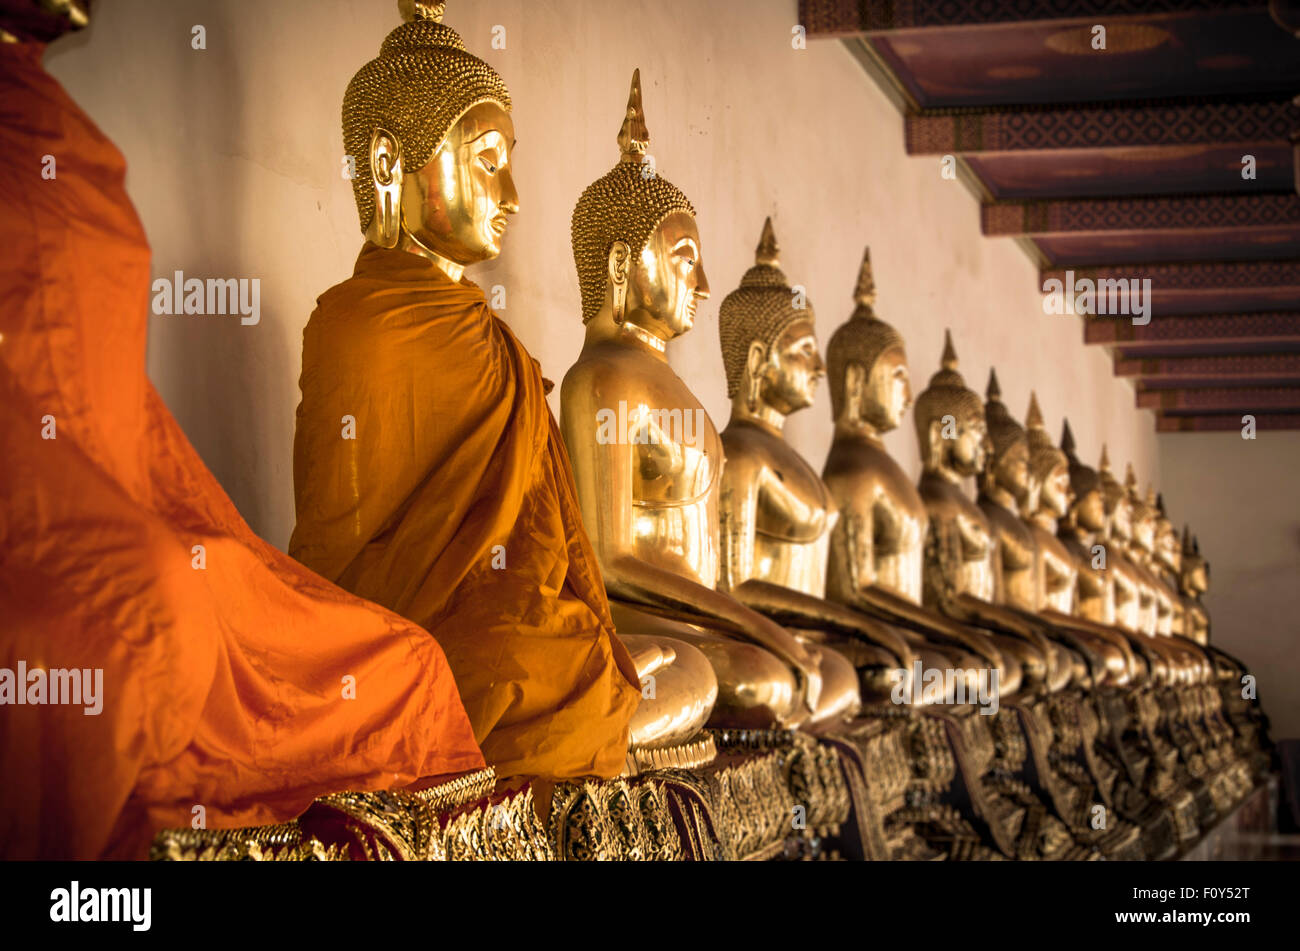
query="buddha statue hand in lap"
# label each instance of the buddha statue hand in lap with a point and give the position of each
(445, 495)
(777, 514)
(649, 486)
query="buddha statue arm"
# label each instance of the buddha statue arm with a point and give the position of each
(854, 586)
(740, 500)
(605, 480)
(628, 578)
(787, 606)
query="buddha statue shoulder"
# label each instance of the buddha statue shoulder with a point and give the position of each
(776, 513)
(429, 473)
(878, 540)
(647, 459)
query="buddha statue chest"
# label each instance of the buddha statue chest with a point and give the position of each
(877, 497)
(676, 463)
(1094, 599)
(793, 512)
(1016, 552)
(961, 541)
(1056, 572)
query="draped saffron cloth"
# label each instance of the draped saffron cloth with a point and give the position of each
(430, 477)
(231, 678)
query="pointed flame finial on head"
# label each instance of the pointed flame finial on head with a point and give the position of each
(1130, 480)
(1067, 438)
(865, 292)
(633, 136)
(993, 391)
(766, 254)
(1034, 418)
(1104, 465)
(949, 358)
(412, 10)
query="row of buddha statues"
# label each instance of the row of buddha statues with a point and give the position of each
(620, 633)
(635, 594)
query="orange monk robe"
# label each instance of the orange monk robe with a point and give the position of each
(431, 478)
(222, 686)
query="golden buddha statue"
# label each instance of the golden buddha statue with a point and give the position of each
(1051, 479)
(1194, 581)
(967, 575)
(877, 546)
(776, 513)
(879, 564)
(647, 459)
(429, 472)
(1078, 531)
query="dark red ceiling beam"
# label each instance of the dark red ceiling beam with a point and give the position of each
(1099, 215)
(847, 17)
(1240, 366)
(1132, 125)
(1228, 422)
(1222, 399)
(1279, 327)
(1202, 287)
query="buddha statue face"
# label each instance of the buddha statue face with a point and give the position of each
(457, 204)
(1143, 526)
(793, 366)
(888, 390)
(1195, 575)
(1089, 510)
(969, 451)
(950, 422)
(1055, 495)
(1168, 548)
(665, 282)
(1009, 470)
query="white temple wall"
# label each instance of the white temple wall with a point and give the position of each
(1240, 497)
(235, 156)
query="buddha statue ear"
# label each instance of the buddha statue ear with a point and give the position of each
(855, 387)
(936, 441)
(620, 264)
(754, 375)
(386, 179)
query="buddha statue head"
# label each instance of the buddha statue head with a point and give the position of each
(869, 382)
(1006, 470)
(1169, 550)
(428, 126)
(635, 242)
(1087, 511)
(769, 344)
(950, 422)
(1119, 508)
(41, 21)
(1049, 469)
(1144, 514)
(1195, 571)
